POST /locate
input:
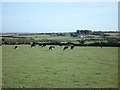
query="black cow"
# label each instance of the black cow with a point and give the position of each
(16, 47)
(51, 47)
(33, 44)
(72, 47)
(66, 47)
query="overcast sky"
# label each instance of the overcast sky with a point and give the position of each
(58, 16)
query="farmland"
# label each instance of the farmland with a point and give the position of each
(80, 37)
(54, 44)
(0, 68)
(37, 67)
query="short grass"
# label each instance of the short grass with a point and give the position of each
(0, 67)
(37, 67)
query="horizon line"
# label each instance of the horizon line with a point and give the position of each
(65, 31)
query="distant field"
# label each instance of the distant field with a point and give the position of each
(53, 38)
(49, 37)
(113, 34)
(37, 67)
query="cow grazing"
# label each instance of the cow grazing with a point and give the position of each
(66, 47)
(16, 47)
(72, 47)
(51, 47)
(33, 44)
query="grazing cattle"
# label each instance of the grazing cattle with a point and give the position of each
(66, 47)
(33, 44)
(72, 47)
(51, 47)
(16, 47)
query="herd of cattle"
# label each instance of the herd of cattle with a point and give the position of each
(50, 47)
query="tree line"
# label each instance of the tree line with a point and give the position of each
(12, 40)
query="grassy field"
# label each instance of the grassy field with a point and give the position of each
(37, 67)
(0, 68)
(49, 37)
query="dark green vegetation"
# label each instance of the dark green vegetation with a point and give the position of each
(37, 67)
(80, 37)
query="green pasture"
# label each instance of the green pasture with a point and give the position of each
(37, 67)
(52, 38)
(49, 37)
(0, 67)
